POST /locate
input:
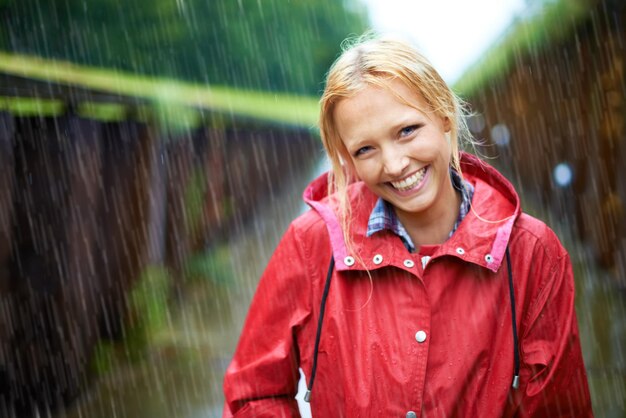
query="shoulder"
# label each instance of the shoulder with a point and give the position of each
(308, 223)
(539, 258)
(310, 233)
(529, 231)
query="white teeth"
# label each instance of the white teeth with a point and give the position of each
(409, 182)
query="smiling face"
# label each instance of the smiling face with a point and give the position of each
(399, 148)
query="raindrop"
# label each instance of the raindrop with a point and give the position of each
(563, 174)
(476, 123)
(501, 135)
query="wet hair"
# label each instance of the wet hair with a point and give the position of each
(373, 60)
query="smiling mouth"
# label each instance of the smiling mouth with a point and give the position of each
(409, 182)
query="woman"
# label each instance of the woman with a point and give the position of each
(415, 286)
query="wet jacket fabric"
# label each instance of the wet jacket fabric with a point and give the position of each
(428, 332)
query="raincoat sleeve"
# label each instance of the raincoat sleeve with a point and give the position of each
(262, 378)
(550, 348)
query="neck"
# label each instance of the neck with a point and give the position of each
(433, 226)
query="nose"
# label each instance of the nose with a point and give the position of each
(395, 162)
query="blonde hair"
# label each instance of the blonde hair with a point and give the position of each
(374, 60)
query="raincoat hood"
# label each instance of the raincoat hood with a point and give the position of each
(484, 232)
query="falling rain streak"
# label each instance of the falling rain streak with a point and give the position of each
(144, 187)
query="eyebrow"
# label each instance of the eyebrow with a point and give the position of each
(357, 144)
(409, 121)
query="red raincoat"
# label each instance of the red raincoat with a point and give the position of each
(430, 332)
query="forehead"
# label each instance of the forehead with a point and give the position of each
(374, 105)
(385, 92)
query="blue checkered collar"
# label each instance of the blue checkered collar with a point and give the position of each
(383, 216)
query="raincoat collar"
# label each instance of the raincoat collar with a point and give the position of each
(481, 238)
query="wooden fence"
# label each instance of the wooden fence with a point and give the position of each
(86, 206)
(562, 105)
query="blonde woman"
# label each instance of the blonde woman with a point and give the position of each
(415, 285)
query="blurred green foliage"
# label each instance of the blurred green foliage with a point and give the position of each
(150, 313)
(26, 106)
(104, 358)
(261, 44)
(195, 193)
(149, 304)
(213, 265)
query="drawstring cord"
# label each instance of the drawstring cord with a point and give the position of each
(515, 384)
(516, 356)
(307, 395)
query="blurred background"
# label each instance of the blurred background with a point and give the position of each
(152, 153)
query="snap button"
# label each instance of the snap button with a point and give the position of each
(408, 263)
(378, 259)
(489, 258)
(425, 261)
(460, 251)
(420, 336)
(348, 261)
(411, 414)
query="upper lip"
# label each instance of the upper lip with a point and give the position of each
(407, 176)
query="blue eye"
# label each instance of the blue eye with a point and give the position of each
(408, 130)
(362, 151)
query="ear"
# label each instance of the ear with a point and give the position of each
(447, 125)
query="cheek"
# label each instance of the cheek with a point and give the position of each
(368, 173)
(359, 171)
(365, 170)
(433, 147)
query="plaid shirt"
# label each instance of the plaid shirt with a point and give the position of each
(384, 216)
